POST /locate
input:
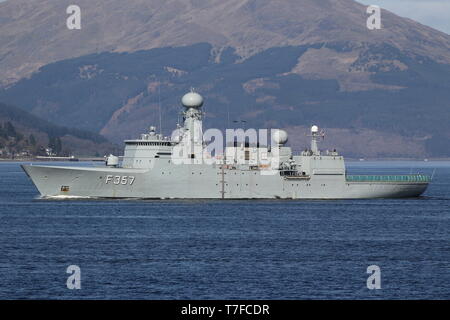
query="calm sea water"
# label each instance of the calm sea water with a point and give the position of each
(226, 249)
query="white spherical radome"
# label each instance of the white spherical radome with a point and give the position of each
(280, 136)
(192, 100)
(314, 129)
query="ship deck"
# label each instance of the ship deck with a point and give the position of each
(410, 178)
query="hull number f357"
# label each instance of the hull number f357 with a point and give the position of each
(124, 180)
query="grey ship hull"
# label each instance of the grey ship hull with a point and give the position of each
(206, 182)
(182, 167)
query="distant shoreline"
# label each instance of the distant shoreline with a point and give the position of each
(81, 159)
(397, 159)
(101, 159)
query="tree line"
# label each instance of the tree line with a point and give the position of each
(13, 142)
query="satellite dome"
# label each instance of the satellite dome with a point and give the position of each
(280, 136)
(192, 100)
(314, 129)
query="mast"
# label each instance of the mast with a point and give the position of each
(192, 117)
(315, 137)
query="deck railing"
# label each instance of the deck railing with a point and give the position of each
(389, 178)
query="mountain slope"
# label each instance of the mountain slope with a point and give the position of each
(286, 63)
(118, 96)
(33, 32)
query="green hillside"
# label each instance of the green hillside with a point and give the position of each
(23, 134)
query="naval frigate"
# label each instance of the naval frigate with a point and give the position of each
(180, 167)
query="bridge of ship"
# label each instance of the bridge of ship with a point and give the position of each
(419, 178)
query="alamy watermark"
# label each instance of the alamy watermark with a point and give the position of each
(374, 280)
(238, 147)
(73, 22)
(74, 280)
(374, 21)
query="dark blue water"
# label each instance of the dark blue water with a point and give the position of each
(226, 249)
